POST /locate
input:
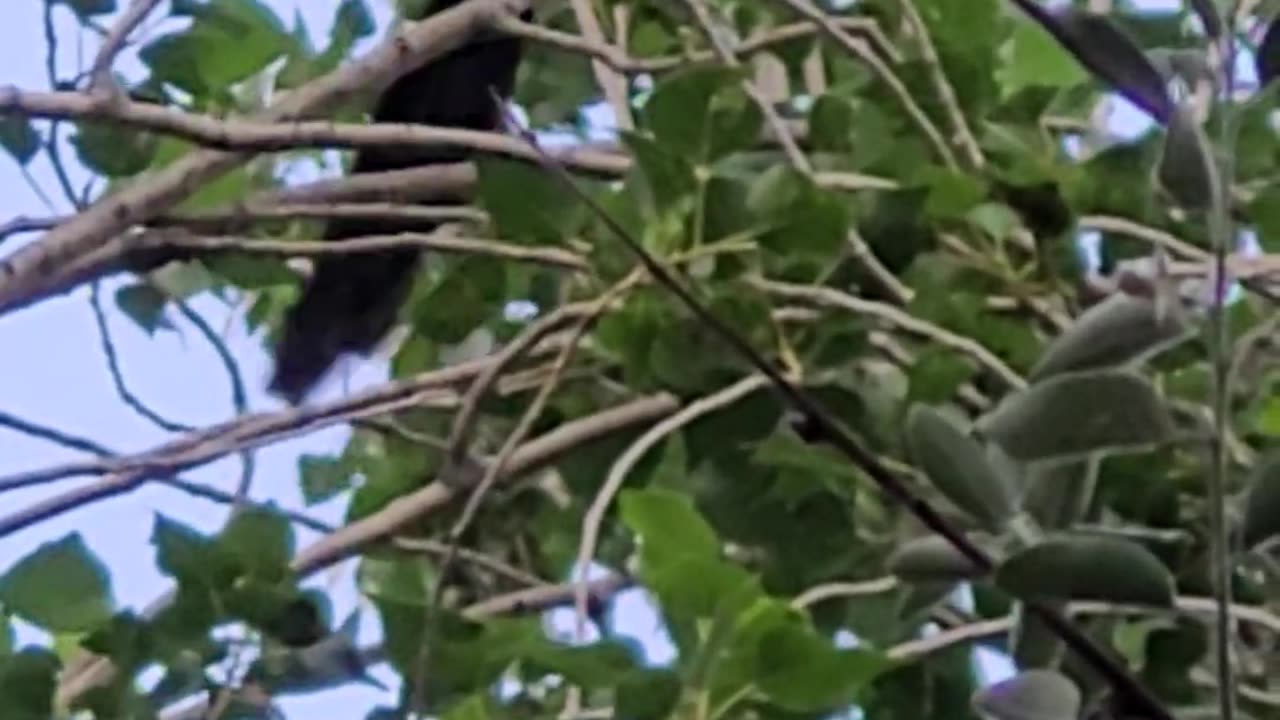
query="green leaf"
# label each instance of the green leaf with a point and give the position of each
(647, 694)
(261, 540)
(144, 304)
(1031, 695)
(800, 218)
(957, 466)
(402, 580)
(1077, 414)
(351, 22)
(526, 204)
(323, 478)
(19, 137)
(668, 524)
(1267, 58)
(931, 559)
(89, 8)
(113, 151)
(1120, 330)
(1188, 170)
(1087, 567)
(28, 680)
(667, 178)
(1108, 52)
(228, 41)
(1035, 59)
(1262, 504)
(679, 110)
(61, 587)
(775, 649)
(188, 556)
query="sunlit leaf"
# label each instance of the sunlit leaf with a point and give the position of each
(61, 586)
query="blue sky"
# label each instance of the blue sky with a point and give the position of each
(53, 372)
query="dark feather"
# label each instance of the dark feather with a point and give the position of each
(351, 302)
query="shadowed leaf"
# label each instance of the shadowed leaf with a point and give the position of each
(1077, 414)
(1121, 329)
(957, 466)
(1187, 168)
(1086, 567)
(931, 559)
(1262, 505)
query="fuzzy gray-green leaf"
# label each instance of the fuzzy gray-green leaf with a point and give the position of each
(1087, 567)
(1032, 695)
(931, 559)
(1116, 331)
(1187, 170)
(957, 466)
(1262, 505)
(1076, 414)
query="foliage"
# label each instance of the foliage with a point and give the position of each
(914, 271)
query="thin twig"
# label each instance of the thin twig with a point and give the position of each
(712, 30)
(53, 435)
(946, 92)
(861, 50)
(117, 374)
(593, 520)
(116, 39)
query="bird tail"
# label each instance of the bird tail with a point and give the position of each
(348, 305)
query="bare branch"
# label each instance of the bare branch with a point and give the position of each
(114, 42)
(264, 136)
(24, 273)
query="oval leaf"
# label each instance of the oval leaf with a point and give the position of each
(1267, 58)
(1087, 567)
(1121, 329)
(1077, 414)
(931, 559)
(1032, 695)
(1187, 168)
(1108, 52)
(61, 587)
(957, 466)
(1262, 505)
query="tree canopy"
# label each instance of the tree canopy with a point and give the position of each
(867, 322)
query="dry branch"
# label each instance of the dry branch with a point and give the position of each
(24, 274)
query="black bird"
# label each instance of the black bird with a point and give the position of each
(350, 302)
